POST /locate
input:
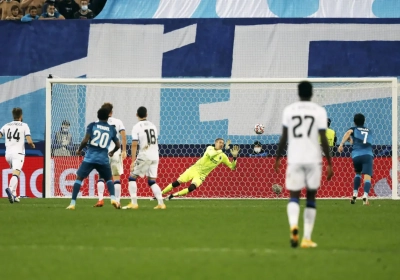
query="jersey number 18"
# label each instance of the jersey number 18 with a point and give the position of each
(151, 136)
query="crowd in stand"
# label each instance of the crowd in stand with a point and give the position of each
(29, 10)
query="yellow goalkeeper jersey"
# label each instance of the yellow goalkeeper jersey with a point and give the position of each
(211, 159)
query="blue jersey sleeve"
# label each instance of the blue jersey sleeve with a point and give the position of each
(89, 128)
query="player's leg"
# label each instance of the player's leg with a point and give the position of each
(313, 179)
(196, 182)
(357, 163)
(105, 172)
(183, 178)
(367, 171)
(152, 176)
(100, 192)
(83, 171)
(16, 162)
(117, 170)
(295, 181)
(168, 188)
(138, 171)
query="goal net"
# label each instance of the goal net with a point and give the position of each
(191, 113)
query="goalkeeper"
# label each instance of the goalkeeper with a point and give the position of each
(198, 172)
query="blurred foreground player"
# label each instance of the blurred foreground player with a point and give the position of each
(303, 122)
(98, 138)
(362, 155)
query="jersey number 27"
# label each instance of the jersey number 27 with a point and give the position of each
(306, 119)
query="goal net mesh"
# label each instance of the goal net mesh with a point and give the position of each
(190, 116)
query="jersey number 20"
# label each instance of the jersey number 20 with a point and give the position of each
(151, 136)
(308, 119)
(100, 139)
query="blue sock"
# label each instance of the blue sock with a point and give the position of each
(367, 187)
(311, 204)
(294, 199)
(357, 182)
(111, 190)
(75, 191)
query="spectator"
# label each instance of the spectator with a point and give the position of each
(68, 8)
(26, 4)
(84, 12)
(15, 13)
(62, 144)
(51, 14)
(97, 6)
(257, 150)
(31, 16)
(5, 7)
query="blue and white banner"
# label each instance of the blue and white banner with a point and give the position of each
(161, 48)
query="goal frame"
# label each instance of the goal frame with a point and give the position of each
(104, 81)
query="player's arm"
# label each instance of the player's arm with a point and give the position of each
(281, 148)
(345, 138)
(231, 164)
(123, 147)
(83, 143)
(28, 136)
(116, 148)
(134, 150)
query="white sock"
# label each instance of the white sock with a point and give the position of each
(100, 190)
(133, 191)
(365, 195)
(13, 185)
(117, 188)
(355, 193)
(157, 193)
(293, 212)
(309, 219)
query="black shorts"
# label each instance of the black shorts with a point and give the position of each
(87, 167)
(363, 164)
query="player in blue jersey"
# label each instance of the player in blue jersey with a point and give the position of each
(98, 138)
(362, 155)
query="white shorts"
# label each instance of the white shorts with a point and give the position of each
(144, 167)
(116, 164)
(299, 176)
(16, 161)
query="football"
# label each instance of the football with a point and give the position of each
(259, 128)
(277, 189)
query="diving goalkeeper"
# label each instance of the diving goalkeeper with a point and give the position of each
(198, 172)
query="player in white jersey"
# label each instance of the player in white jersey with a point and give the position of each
(144, 134)
(15, 133)
(116, 161)
(303, 122)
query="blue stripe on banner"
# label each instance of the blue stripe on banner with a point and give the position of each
(206, 9)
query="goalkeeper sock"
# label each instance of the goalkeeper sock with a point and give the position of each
(133, 190)
(293, 212)
(309, 218)
(367, 187)
(111, 189)
(157, 193)
(100, 189)
(75, 191)
(13, 184)
(170, 186)
(117, 188)
(357, 183)
(182, 192)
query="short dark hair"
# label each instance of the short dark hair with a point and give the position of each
(32, 8)
(15, 7)
(359, 119)
(108, 106)
(329, 122)
(257, 143)
(305, 90)
(17, 113)
(142, 112)
(219, 139)
(102, 114)
(65, 122)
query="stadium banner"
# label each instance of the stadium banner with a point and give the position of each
(221, 183)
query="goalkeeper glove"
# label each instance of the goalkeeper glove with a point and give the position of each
(235, 151)
(228, 142)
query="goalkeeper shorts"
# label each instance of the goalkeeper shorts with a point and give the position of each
(192, 175)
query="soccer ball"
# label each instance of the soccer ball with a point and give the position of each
(277, 189)
(259, 128)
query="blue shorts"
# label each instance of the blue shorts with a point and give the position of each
(363, 164)
(87, 167)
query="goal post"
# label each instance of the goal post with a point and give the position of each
(191, 113)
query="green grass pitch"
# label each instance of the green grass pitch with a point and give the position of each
(196, 239)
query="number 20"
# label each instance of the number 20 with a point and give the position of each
(103, 139)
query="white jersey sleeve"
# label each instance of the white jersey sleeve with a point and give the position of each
(322, 121)
(27, 130)
(2, 131)
(119, 126)
(15, 133)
